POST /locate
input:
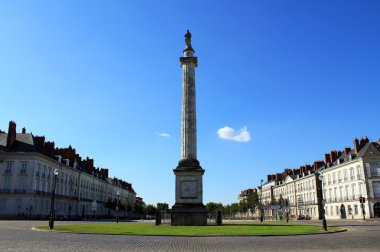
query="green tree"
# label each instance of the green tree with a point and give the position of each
(108, 205)
(214, 207)
(150, 210)
(163, 207)
(253, 202)
(243, 207)
(234, 208)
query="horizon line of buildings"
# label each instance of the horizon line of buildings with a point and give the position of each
(27, 165)
(335, 186)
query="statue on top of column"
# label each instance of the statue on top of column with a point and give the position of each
(188, 38)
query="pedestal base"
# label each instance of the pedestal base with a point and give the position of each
(189, 215)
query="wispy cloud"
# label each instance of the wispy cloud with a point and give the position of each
(228, 133)
(164, 135)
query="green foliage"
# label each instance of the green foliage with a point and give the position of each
(150, 210)
(214, 207)
(243, 207)
(137, 208)
(253, 202)
(163, 207)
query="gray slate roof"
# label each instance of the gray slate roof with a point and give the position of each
(23, 143)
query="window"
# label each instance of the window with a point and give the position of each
(359, 171)
(329, 179)
(6, 183)
(38, 169)
(334, 177)
(349, 210)
(356, 209)
(337, 210)
(352, 173)
(360, 188)
(3, 203)
(331, 210)
(375, 169)
(335, 193)
(340, 176)
(35, 184)
(376, 189)
(345, 175)
(8, 170)
(347, 193)
(353, 189)
(23, 167)
(22, 184)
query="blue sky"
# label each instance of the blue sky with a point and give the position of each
(300, 77)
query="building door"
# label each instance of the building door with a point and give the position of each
(342, 211)
(376, 210)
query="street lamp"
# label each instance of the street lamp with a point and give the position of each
(320, 177)
(117, 207)
(261, 201)
(51, 218)
(70, 195)
(362, 199)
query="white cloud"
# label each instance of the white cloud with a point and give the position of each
(164, 135)
(228, 133)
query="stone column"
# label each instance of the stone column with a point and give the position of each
(188, 209)
(189, 124)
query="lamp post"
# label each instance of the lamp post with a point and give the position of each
(51, 218)
(261, 202)
(117, 207)
(70, 195)
(362, 199)
(320, 177)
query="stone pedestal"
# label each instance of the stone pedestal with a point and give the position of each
(189, 209)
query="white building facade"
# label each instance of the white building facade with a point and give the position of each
(27, 181)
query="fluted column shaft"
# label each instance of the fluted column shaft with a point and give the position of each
(189, 124)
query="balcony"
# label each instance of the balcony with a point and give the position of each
(8, 172)
(23, 173)
(20, 191)
(5, 190)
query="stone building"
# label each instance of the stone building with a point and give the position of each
(245, 193)
(27, 165)
(349, 175)
(334, 185)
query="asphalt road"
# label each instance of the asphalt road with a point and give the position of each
(19, 236)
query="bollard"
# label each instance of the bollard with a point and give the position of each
(158, 218)
(219, 218)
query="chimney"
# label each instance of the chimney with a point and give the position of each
(11, 134)
(333, 156)
(347, 150)
(49, 148)
(318, 164)
(327, 158)
(356, 145)
(23, 130)
(269, 177)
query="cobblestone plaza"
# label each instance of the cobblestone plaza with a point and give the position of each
(19, 236)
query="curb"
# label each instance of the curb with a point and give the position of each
(197, 236)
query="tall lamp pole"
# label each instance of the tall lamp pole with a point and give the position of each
(52, 213)
(320, 177)
(261, 202)
(117, 207)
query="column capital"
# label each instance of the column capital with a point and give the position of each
(187, 60)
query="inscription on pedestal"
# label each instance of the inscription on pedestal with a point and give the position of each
(189, 189)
